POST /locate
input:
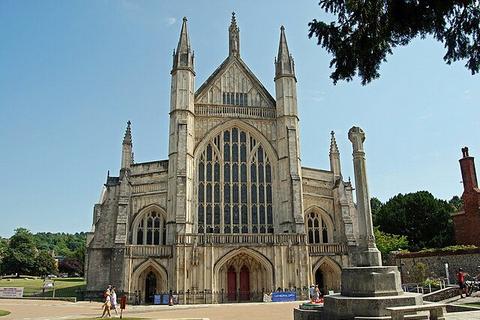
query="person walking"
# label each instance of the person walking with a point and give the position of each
(461, 282)
(114, 299)
(107, 305)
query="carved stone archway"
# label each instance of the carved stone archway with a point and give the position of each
(243, 274)
(330, 272)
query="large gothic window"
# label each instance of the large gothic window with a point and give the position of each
(317, 228)
(150, 229)
(234, 185)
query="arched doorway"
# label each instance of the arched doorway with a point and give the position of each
(147, 279)
(319, 280)
(150, 287)
(244, 275)
(327, 275)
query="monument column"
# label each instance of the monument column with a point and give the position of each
(367, 254)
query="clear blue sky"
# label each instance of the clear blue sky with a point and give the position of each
(73, 72)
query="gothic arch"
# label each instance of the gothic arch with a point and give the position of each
(141, 214)
(270, 150)
(269, 277)
(235, 181)
(324, 216)
(331, 272)
(139, 272)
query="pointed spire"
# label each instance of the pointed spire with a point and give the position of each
(127, 153)
(183, 56)
(284, 64)
(333, 144)
(127, 138)
(335, 166)
(234, 38)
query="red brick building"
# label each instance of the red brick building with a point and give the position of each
(467, 221)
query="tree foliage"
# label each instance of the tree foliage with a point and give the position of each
(375, 206)
(20, 254)
(366, 31)
(387, 243)
(419, 216)
(456, 202)
(32, 254)
(45, 264)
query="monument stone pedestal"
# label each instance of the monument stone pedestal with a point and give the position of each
(368, 288)
(367, 292)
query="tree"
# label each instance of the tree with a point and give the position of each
(456, 202)
(20, 254)
(366, 31)
(419, 216)
(375, 206)
(70, 266)
(45, 264)
(387, 243)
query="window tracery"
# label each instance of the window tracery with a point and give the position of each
(151, 229)
(234, 186)
(317, 229)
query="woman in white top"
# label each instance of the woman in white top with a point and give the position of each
(106, 305)
(114, 299)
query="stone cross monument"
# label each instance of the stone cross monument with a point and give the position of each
(367, 253)
(368, 288)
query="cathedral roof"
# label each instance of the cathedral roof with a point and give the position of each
(232, 59)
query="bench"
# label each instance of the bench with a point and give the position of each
(436, 311)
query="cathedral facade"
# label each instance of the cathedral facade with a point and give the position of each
(231, 210)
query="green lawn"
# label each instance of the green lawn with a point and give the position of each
(473, 304)
(64, 287)
(4, 313)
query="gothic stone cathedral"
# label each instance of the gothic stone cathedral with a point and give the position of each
(231, 210)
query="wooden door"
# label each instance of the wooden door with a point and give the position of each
(244, 283)
(231, 284)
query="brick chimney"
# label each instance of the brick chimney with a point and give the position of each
(467, 221)
(469, 176)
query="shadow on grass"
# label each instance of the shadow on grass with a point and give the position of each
(74, 291)
(69, 279)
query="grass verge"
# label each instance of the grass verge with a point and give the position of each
(4, 313)
(64, 287)
(472, 304)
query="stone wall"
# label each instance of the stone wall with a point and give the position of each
(469, 260)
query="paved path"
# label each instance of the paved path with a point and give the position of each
(56, 310)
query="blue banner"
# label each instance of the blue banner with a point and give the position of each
(283, 296)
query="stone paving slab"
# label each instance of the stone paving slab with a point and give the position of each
(60, 310)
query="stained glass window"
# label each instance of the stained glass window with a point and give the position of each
(234, 187)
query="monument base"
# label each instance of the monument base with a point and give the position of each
(371, 281)
(366, 292)
(340, 307)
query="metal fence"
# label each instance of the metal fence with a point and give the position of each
(209, 296)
